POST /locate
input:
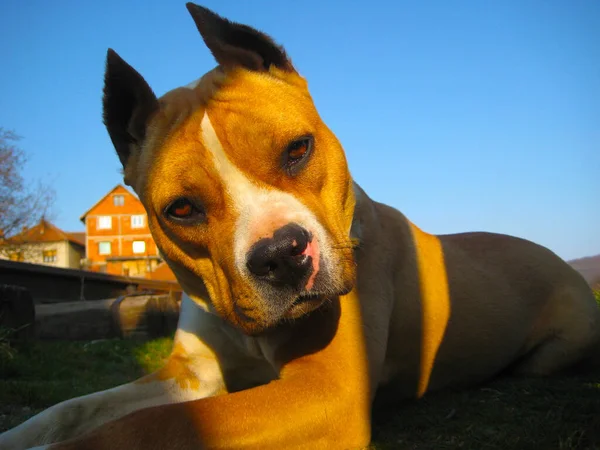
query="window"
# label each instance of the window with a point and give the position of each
(137, 221)
(139, 246)
(104, 248)
(16, 256)
(104, 222)
(118, 200)
(49, 256)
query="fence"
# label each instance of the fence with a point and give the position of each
(55, 285)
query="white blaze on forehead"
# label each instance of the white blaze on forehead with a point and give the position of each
(253, 204)
(236, 183)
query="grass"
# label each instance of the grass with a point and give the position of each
(40, 374)
(560, 413)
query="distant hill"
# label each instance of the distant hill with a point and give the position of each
(589, 267)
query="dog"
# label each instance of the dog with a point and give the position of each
(303, 296)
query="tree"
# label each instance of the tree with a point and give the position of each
(23, 203)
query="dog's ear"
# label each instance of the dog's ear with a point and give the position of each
(128, 103)
(233, 44)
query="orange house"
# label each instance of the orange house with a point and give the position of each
(118, 239)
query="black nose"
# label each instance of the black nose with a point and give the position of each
(279, 260)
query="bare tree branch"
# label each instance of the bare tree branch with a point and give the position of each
(23, 203)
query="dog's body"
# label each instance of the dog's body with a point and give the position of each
(304, 296)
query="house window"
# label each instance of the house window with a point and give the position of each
(137, 221)
(16, 256)
(118, 200)
(104, 222)
(139, 246)
(49, 256)
(104, 248)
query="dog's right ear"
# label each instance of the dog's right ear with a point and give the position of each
(128, 104)
(233, 44)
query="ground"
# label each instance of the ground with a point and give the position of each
(559, 413)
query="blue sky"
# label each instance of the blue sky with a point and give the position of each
(465, 115)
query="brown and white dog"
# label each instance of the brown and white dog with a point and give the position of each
(304, 296)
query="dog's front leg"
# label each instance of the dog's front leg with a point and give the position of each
(78, 415)
(321, 400)
(191, 372)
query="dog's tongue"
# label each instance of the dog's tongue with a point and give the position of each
(312, 250)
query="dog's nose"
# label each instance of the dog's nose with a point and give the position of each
(280, 260)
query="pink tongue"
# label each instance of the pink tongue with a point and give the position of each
(312, 250)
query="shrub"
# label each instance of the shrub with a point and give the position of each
(7, 351)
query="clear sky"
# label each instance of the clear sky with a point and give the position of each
(465, 115)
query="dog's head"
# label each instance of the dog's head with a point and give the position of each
(247, 191)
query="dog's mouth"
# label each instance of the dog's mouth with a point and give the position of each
(307, 302)
(304, 304)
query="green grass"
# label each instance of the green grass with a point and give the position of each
(40, 374)
(560, 413)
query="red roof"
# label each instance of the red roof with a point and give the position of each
(77, 237)
(47, 232)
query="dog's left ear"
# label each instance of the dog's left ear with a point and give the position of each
(233, 44)
(128, 104)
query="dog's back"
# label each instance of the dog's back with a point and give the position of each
(504, 303)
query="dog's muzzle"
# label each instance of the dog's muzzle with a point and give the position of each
(282, 261)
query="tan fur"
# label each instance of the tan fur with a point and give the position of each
(176, 368)
(421, 312)
(255, 151)
(435, 301)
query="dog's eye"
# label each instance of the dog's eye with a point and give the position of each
(183, 209)
(298, 149)
(296, 154)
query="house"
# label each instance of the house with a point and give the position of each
(46, 244)
(162, 272)
(118, 240)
